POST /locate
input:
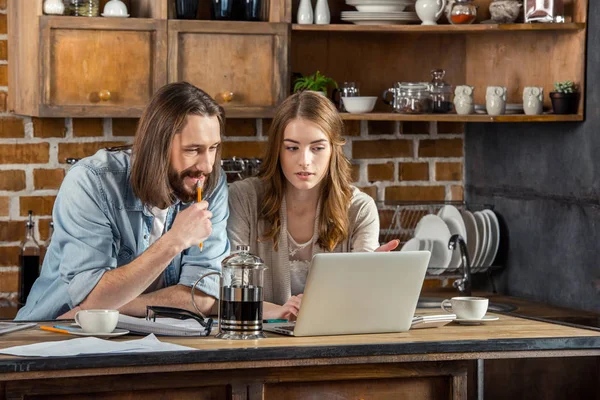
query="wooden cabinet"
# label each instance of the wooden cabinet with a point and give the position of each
(243, 65)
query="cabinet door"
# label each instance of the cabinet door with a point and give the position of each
(248, 60)
(100, 67)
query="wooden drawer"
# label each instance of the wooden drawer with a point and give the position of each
(248, 59)
(100, 67)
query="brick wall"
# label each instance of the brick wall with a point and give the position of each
(392, 160)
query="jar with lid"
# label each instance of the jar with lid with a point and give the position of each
(415, 98)
(82, 8)
(461, 12)
(441, 92)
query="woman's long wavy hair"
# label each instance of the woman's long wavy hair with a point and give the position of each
(336, 191)
(165, 116)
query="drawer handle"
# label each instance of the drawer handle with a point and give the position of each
(227, 96)
(104, 95)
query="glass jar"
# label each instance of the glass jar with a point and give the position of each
(441, 92)
(82, 8)
(462, 12)
(415, 98)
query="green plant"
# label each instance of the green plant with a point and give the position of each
(317, 82)
(565, 87)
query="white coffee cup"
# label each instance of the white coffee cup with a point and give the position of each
(97, 321)
(466, 307)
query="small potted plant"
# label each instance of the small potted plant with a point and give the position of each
(317, 82)
(565, 98)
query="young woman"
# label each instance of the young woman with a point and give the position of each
(302, 201)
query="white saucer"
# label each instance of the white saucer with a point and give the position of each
(116, 332)
(486, 318)
(115, 16)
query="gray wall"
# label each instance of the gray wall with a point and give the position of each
(544, 179)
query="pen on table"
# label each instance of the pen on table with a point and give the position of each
(51, 329)
(272, 321)
(67, 328)
(199, 191)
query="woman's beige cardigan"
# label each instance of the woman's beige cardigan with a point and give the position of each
(244, 227)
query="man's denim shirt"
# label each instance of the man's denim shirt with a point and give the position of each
(99, 225)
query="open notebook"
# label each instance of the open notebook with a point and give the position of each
(162, 326)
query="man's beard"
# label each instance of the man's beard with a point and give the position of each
(180, 190)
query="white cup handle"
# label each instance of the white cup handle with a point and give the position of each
(447, 303)
(77, 318)
(437, 15)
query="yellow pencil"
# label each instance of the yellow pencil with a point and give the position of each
(51, 329)
(199, 191)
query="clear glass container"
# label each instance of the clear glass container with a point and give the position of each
(462, 12)
(415, 98)
(82, 8)
(441, 92)
(29, 258)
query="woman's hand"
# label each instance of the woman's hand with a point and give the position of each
(389, 246)
(287, 311)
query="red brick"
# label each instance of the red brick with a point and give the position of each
(3, 24)
(3, 71)
(44, 228)
(448, 171)
(81, 150)
(240, 127)
(4, 203)
(49, 127)
(415, 193)
(441, 148)
(450, 127)
(88, 127)
(3, 101)
(381, 127)
(243, 149)
(2, 4)
(40, 205)
(415, 127)
(370, 190)
(352, 128)
(382, 149)
(3, 50)
(9, 281)
(413, 171)
(355, 172)
(12, 231)
(12, 128)
(457, 193)
(432, 283)
(12, 180)
(37, 153)
(380, 172)
(48, 178)
(9, 256)
(124, 126)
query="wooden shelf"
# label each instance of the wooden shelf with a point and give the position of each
(462, 118)
(440, 28)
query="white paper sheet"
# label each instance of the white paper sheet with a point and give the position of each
(92, 345)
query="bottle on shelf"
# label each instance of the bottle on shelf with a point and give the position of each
(29, 261)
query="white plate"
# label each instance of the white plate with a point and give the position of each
(494, 239)
(486, 318)
(115, 16)
(483, 239)
(116, 332)
(434, 228)
(380, 7)
(412, 245)
(377, 22)
(472, 234)
(488, 248)
(510, 109)
(451, 216)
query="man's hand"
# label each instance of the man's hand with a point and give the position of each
(389, 246)
(192, 226)
(287, 311)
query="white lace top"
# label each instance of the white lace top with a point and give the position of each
(300, 259)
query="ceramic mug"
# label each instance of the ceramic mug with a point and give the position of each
(466, 307)
(97, 321)
(533, 99)
(463, 99)
(495, 100)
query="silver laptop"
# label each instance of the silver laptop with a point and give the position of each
(352, 293)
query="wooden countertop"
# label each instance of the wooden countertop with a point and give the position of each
(509, 337)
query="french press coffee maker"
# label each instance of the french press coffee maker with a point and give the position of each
(241, 295)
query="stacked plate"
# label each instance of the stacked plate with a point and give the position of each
(380, 12)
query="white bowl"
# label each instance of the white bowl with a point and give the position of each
(115, 8)
(359, 104)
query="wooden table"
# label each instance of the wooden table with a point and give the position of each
(419, 364)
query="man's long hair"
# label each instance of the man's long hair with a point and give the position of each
(165, 116)
(336, 190)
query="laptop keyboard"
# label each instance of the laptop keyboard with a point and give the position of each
(289, 328)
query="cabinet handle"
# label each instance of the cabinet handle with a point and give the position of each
(227, 96)
(104, 95)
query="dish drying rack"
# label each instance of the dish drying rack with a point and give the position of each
(240, 168)
(405, 217)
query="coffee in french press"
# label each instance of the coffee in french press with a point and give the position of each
(29, 261)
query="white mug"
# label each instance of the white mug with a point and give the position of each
(533, 100)
(466, 307)
(495, 100)
(463, 99)
(97, 321)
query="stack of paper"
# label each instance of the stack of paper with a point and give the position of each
(162, 326)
